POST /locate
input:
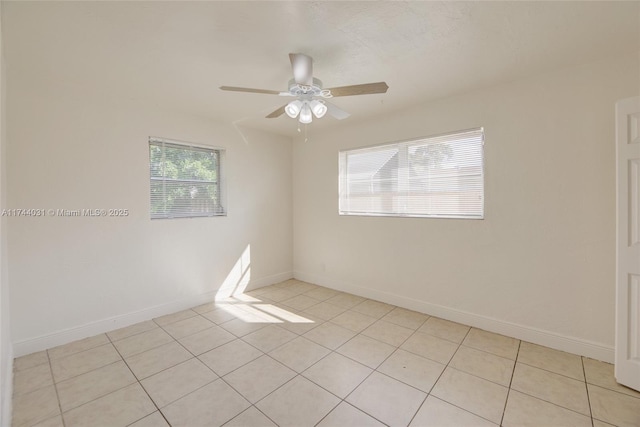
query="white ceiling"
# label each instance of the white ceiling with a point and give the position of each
(176, 54)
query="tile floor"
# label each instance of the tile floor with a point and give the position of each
(296, 354)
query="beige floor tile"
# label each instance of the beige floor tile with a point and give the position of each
(85, 361)
(474, 394)
(601, 374)
(177, 381)
(278, 295)
(345, 301)
(444, 329)
(527, 411)
(258, 378)
(129, 331)
(142, 342)
(51, 422)
(230, 356)
(330, 335)
(30, 360)
(301, 323)
(36, 406)
(615, 408)
(241, 328)
(407, 318)
(27, 380)
(153, 420)
(554, 388)
(492, 343)
(598, 423)
(373, 308)
(366, 350)
(86, 387)
(300, 302)
(77, 346)
(120, 408)
(251, 418)
(353, 320)
(205, 308)
(257, 291)
(257, 312)
(438, 413)
(269, 338)
(338, 374)
(347, 415)
(211, 405)
(484, 365)
(186, 327)
(174, 317)
(299, 354)
(321, 294)
(325, 311)
(388, 333)
(556, 361)
(386, 399)
(155, 360)
(431, 347)
(298, 403)
(280, 314)
(219, 316)
(412, 369)
(206, 340)
(303, 287)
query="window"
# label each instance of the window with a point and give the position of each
(440, 176)
(185, 180)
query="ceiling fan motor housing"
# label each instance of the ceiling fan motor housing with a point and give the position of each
(315, 89)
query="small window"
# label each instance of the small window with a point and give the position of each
(440, 176)
(185, 180)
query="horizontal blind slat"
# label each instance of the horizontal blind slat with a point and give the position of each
(184, 180)
(434, 176)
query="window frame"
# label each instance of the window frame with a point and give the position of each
(343, 182)
(220, 182)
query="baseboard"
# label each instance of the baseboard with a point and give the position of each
(526, 333)
(44, 342)
(7, 389)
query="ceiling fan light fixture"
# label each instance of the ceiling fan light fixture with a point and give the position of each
(293, 109)
(318, 108)
(305, 114)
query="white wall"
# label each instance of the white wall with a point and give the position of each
(6, 350)
(73, 277)
(542, 263)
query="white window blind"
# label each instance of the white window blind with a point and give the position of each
(440, 176)
(185, 180)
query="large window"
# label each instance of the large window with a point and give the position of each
(185, 180)
(440, 176)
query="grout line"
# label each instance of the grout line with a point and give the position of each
(55, 387)
(587, 389)
(138, 382)
(513, 372)
(441, 373)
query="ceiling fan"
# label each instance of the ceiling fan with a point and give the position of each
(310, 96)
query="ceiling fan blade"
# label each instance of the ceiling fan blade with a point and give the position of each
(246, 89)
(302, 66)
(364, 89)
(277, 113)
(335, 111)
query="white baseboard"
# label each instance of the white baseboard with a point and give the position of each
(44, 342)
(6, 405)
(526, 333)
